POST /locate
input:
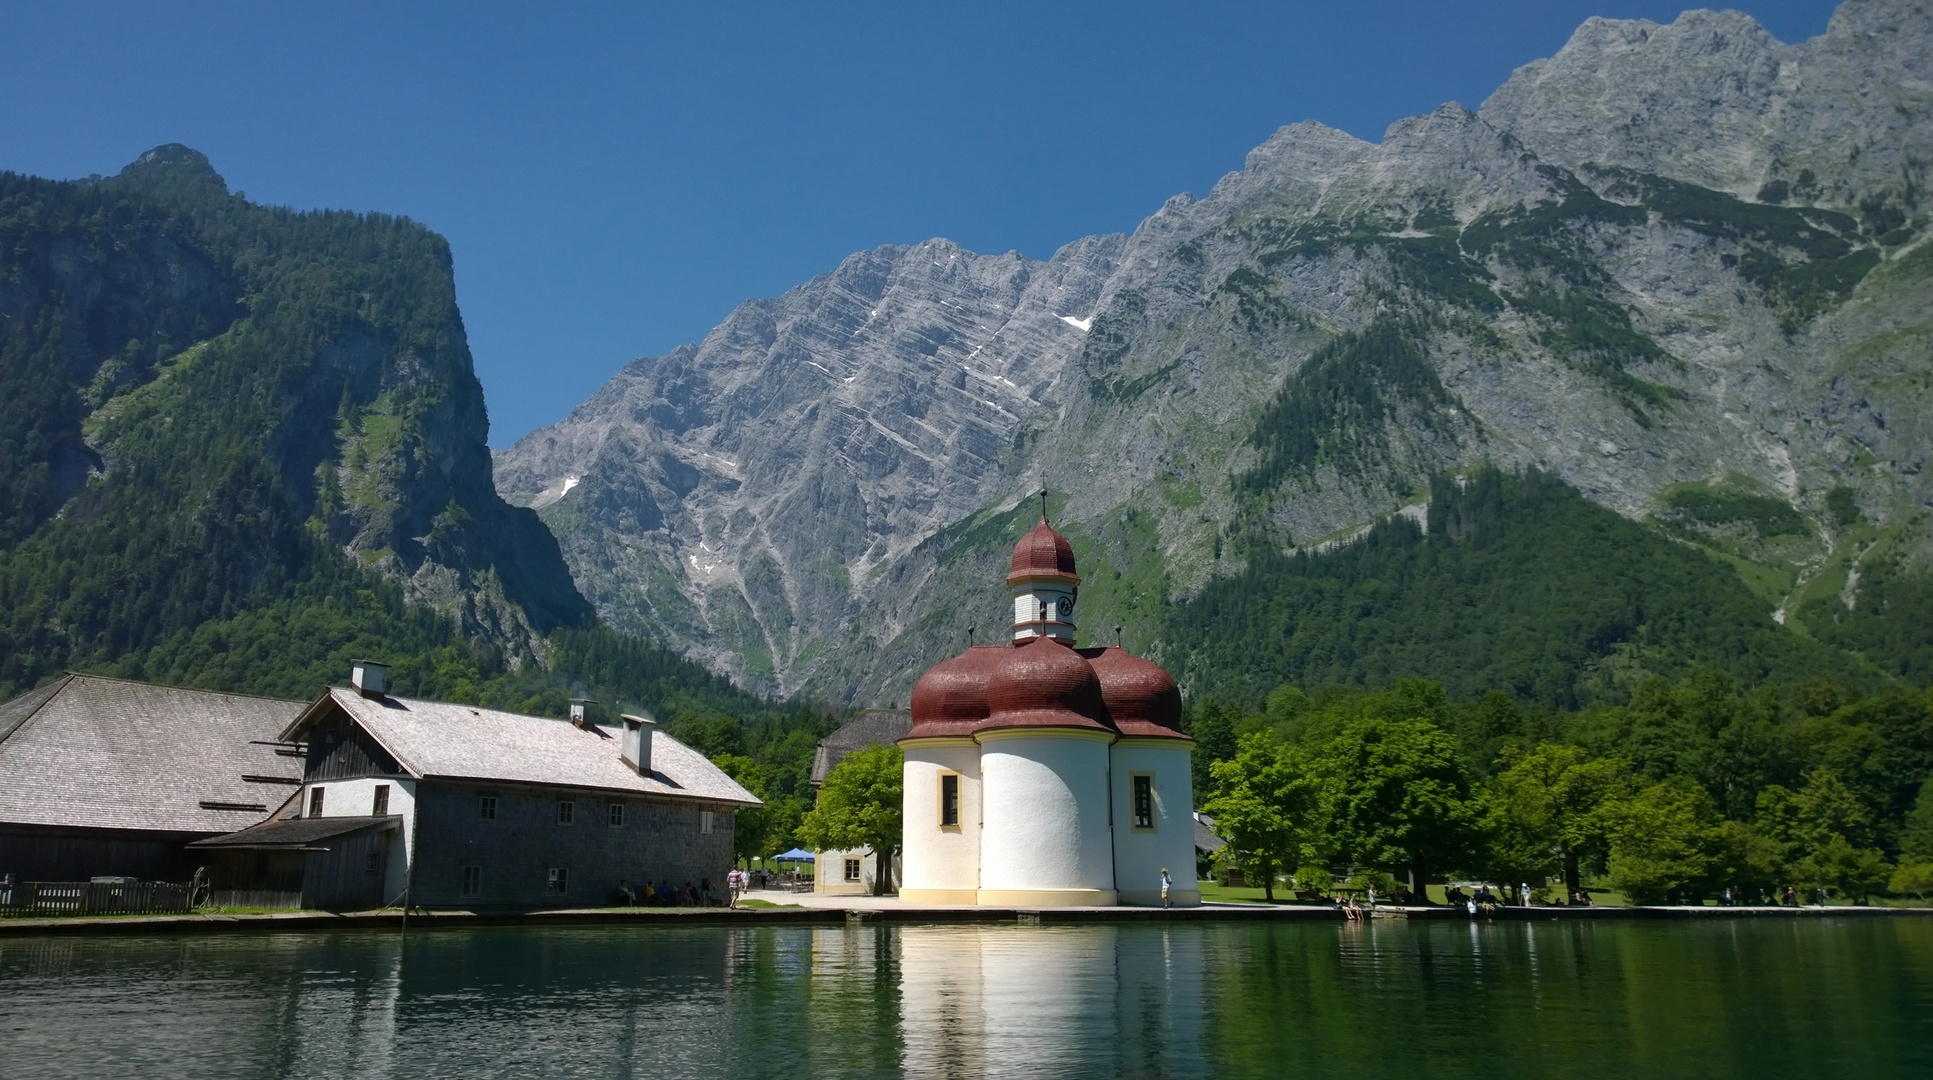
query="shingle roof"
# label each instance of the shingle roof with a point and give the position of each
(296, 832)
(113, 754)
(874, 727)
(1206, 841)
(440, 739)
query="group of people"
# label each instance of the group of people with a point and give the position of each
(664, 895)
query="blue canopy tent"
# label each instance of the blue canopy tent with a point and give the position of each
(795, 855)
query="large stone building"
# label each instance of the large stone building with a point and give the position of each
(487, 808)
(354, 800)
(1040, 774)
(106, 777)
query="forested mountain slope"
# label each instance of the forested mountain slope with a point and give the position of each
(1682, 270)
(244, 444)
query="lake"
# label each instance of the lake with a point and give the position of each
(1753, 998)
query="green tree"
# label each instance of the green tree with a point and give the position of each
(1826, 830)
(1261, 807)
(752, 827)
(1749, 861)
(1553, 799)
(1916, 834)
(1838, 867)
(1396, 793)
(1664, 842)
(1212, 724)
(1914, 878)
(859, 807)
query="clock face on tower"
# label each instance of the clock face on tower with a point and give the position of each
(1066, 609)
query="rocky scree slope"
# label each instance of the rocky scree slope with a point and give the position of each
(1682, 268)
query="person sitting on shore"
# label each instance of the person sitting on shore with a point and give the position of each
(624, 893)
(704, 892)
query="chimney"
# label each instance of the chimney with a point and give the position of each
(369, 677)
(583, 712)
(636, 750)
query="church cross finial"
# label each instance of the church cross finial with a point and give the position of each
(1043, 504)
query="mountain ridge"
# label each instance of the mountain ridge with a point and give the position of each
(1726, 295)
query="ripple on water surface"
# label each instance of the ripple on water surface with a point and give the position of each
(1719, 998)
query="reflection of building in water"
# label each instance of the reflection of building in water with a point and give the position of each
(992, 1001)
(1039, 774)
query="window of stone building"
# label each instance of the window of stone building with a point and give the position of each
(558, 881)
(473, 881)
(1143, 786)
(487, 807)
(617, 815)
(852, 869)
(704, 822)
(566, 810)
(949, 800)
(315, 802)
(380, 805)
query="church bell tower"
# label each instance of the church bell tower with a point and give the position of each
(1044, 586)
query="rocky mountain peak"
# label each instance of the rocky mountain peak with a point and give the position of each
(1666, 258)
(1714, 99)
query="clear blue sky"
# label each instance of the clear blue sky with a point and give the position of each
(614, 178)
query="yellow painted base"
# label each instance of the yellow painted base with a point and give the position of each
(1177, 897)
(939, 896)
(1046, 898)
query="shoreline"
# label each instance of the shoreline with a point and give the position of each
(833, 914)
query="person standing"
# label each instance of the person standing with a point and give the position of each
(1166, 884)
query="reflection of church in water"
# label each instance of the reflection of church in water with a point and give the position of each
(1038, 774)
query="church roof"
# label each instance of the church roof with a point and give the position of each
(873, 727)
(1042, 553)
(1043, 684)
(1040, 681)
(1141, 698)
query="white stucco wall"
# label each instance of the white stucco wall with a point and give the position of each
(829, 872)
(937, 858)
(356, 798)
(1046, 812)
(1138, 855)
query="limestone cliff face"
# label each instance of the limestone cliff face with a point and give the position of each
(1668, 256)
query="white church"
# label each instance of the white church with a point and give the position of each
(1038, 774)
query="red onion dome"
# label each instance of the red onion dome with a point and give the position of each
(951, 698)
(1042, 553)
(1141, 698)
(1044, 684)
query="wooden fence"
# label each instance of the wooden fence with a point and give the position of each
(93, 898)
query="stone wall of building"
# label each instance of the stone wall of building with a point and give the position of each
(514, 852)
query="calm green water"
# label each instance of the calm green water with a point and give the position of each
(1748, 998)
